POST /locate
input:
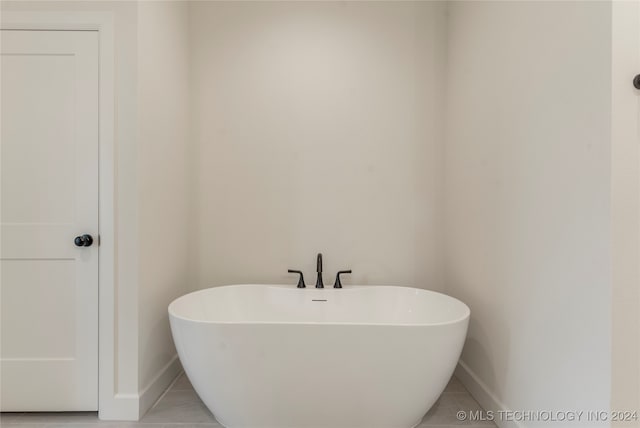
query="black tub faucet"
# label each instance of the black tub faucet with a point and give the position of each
(338, 283)
(300, 278)
(319, 283)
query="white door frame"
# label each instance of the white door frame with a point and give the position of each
(108, 404)
(625, 206)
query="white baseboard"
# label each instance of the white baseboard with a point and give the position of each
(121, 407)
(131, 407)
(484, 396)
(158, 385)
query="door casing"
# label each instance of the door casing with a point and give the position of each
(111, 404)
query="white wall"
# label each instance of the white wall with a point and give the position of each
(316, 128)
(163, 186)
(527, 190)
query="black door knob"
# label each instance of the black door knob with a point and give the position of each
(83, 241)
(636, 81)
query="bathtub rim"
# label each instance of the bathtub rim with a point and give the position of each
(464, 318)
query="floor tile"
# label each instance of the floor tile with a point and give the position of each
(57, 418)
(215, 425)
(455, 385)
(475, 414)
(111, 424)
(7, 417)
(456, 425)
(435, 426)
(99, 424)
(454, 409)
(179, 407)
(439, 415)
(465, 401)
(18, 425)
(182, 384)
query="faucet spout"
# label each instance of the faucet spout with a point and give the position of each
(319, 283)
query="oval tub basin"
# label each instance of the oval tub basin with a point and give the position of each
(272, 356)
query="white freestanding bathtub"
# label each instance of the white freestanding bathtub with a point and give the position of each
(272, 356)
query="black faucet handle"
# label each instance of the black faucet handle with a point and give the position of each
(338, 284)
(300, 279)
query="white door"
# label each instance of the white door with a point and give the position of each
(49, 196)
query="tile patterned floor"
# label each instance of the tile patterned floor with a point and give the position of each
(180, 407)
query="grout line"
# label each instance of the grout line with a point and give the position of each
(166, 391)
